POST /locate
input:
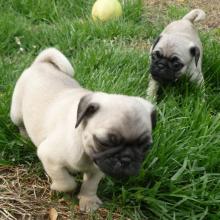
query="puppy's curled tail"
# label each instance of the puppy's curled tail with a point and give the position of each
(195, 15)
(54, 56)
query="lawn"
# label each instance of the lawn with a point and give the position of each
(180, 178)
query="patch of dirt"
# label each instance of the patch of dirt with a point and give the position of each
(25, 195)
(211, 7)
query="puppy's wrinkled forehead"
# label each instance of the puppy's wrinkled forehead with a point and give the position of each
(172, 45)
(100, 113)
(128, 117)
(133, 124)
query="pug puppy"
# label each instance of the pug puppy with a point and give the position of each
(177, 51)
(77, 130)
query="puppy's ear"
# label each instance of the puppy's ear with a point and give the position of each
(153, 118)
(155, 43)
(86, 108)
(151, 109)
(195, 52)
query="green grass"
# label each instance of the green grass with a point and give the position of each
(180, 178)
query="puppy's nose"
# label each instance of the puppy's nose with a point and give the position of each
(125, 161)
(161, 65)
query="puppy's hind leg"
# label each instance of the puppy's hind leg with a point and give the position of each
(16, 109)
(62, 181)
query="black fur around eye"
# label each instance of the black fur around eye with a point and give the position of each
(156, 55)
(146, 147)
(114, 139)
(144, 143)
(111, 140)
(174, 59)
(143, 140)
(177, 65)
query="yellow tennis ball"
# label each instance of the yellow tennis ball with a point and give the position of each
(104, 10)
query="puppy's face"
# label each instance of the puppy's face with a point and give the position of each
(116, 131)
(171, 57)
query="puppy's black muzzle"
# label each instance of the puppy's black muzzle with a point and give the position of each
(164, 69)
(163, 73)
(120, 162)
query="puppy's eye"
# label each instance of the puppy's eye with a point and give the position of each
(156, 55)
(114, 139)
(143, 139)
(144, 143)
(146, 147)
(174, 59)
(111, 140)
(177, 65)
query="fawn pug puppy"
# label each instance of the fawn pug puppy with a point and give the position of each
(75, 129)
(177, 51)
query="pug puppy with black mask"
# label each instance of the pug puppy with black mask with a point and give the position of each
(177, 51)
(77, 130)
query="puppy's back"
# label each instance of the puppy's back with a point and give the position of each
(38, 87)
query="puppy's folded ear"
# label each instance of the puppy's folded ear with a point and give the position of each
(86, 108)
(153, 118)
(195, 52)
(155, 43)
(151, 109)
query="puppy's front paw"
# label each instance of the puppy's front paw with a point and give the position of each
(64, 186)
(89, 203)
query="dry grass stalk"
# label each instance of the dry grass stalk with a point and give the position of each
(26, 195)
